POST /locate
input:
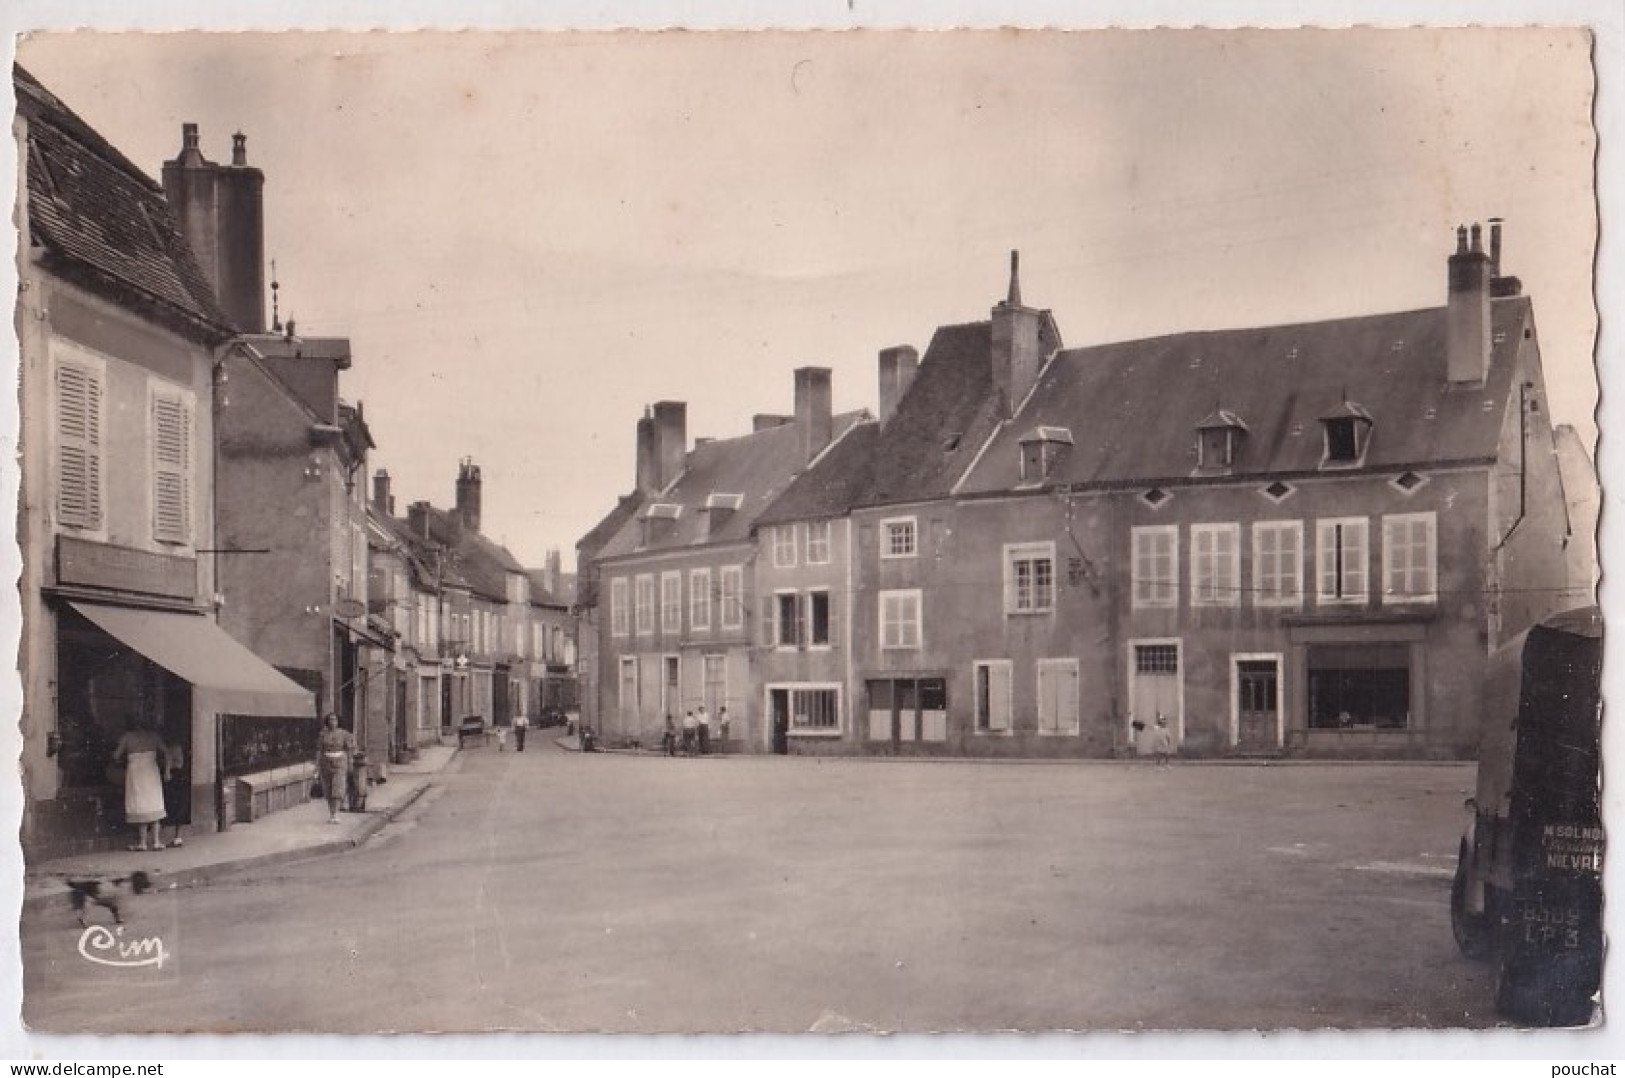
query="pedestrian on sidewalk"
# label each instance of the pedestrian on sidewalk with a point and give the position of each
(691, 727)
(521, 727)
(1162, 741)
(140, 750)
(703, 722)
(177, 791)
(502, 738)
(722, 728)
(668, 739)
(334, 747)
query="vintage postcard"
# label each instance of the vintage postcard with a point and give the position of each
(990, 530)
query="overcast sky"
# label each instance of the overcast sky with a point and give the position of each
(529, 237)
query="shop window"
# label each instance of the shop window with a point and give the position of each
(1359, 686)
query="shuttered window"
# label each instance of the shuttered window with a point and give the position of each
(171, 468)
(79, 445)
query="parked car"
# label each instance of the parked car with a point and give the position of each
(1528, 888)
(553, 716)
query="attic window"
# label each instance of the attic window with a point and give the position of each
(1408, 483)
(1042, 450)
(1156, 497)
(1347, 430)
(717, 500)
(1217, 439)
(1278, 491)
(664, 511)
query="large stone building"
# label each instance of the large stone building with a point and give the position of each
(1297, 539)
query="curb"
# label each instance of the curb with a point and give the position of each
(202, 874)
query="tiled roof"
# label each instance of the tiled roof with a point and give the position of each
(757, 466)
(948, 412)
(836, 480)
(1134, 407)
(590, 545)
(480, 563)
(105, 224)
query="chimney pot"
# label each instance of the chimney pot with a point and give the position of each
(239, 149)
(189, 136)
(1467, 311)
(1014, 298)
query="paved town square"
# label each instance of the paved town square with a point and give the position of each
(554, 891)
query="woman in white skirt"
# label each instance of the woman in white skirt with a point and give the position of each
(139, 751)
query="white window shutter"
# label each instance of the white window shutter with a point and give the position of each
(171, 470)
(79, 446)
(998, 697)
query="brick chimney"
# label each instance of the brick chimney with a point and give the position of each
(221, 212)
(648, 465)
(1500, 286)
(417, 519)
(815, 421)
(898, 366)
(550, 572)
(671, 439)
(1467, 310)
(381, 497)
(1017, 343)
(468, 494)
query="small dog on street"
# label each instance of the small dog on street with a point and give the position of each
(109, 892)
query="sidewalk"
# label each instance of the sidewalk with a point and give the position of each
(292, 834)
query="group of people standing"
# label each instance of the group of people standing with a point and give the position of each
(696, 732)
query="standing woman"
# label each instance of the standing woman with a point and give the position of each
(334, 747)
(138, 750)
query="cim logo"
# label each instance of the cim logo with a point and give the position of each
(108, 947)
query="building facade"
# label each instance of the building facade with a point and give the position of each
(120, 339)
(681, 618)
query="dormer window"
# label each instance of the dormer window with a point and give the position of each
(1042, 450)
(1348, 431)
(1218, 438)
(660, 521)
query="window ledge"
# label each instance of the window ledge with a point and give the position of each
(813, 733)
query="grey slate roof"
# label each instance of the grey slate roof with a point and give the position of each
(948, 412)
(480, 563)
(836, 480)
(1134, 407)
(757, 466)
(104, 224)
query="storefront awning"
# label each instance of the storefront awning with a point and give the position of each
(196, 649)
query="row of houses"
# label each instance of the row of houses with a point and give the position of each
(1297, 539)
(201, 551)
